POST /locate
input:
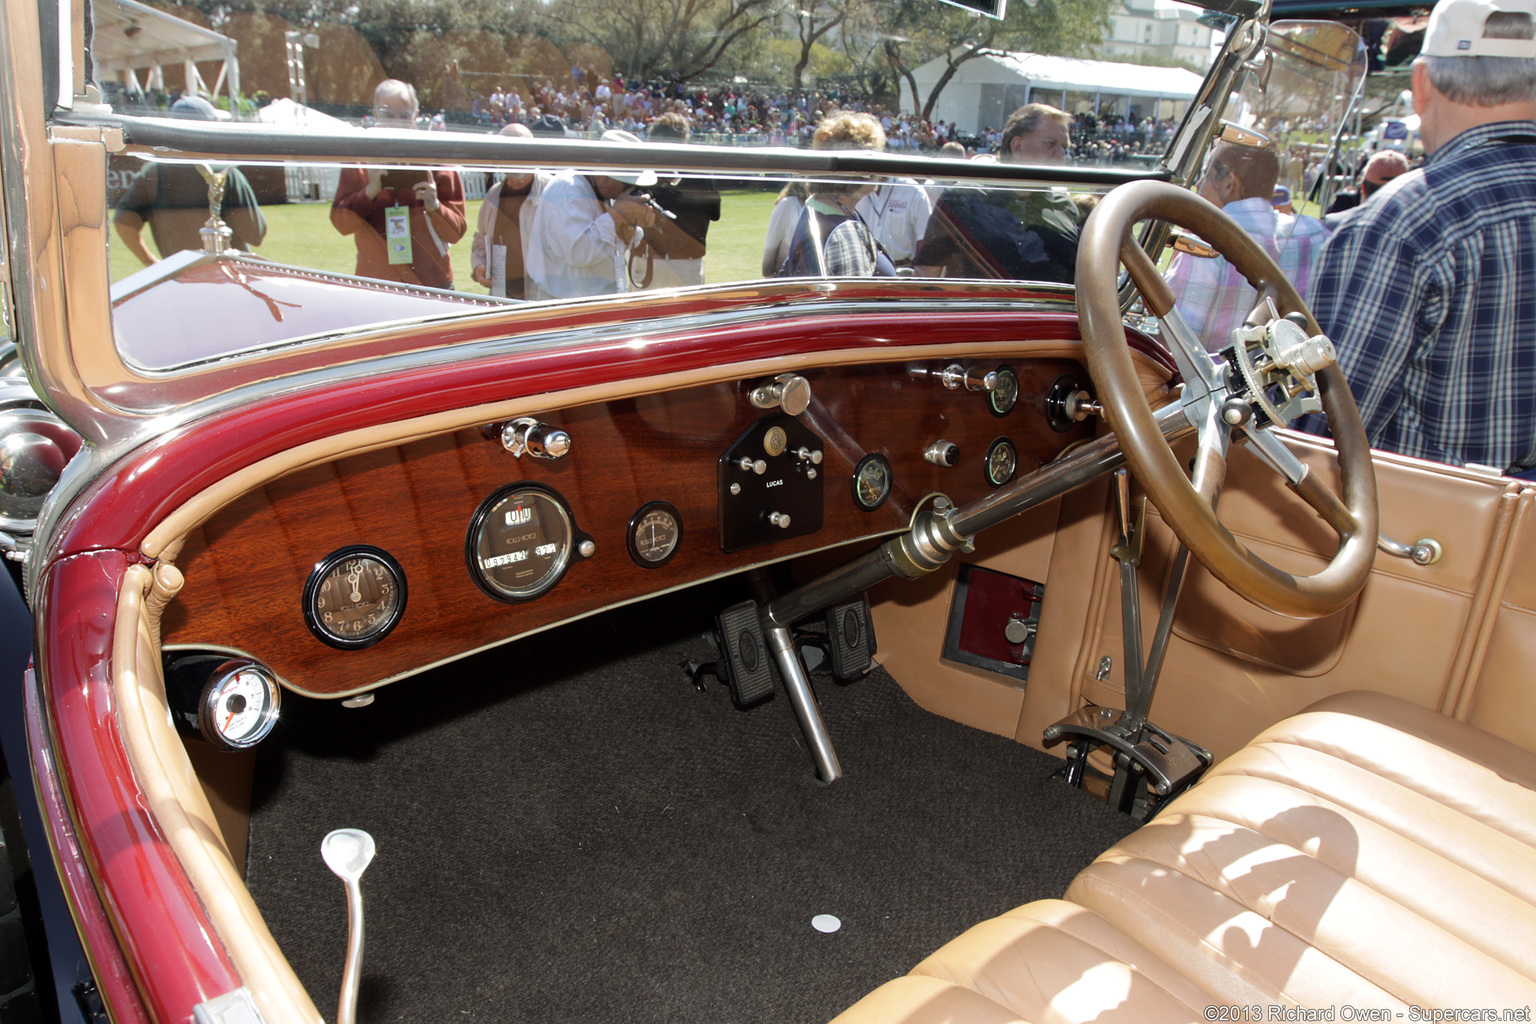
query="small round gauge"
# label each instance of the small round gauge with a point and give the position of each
(230, 703)
(238, 705)
(654, 534)
(872, 481)
(354, 597)
(775, 441)
(519, 542)
(1002, 460)
(241, 705)
(1002, 398)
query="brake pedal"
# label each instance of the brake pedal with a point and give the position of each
(850, 639)
(745, 652)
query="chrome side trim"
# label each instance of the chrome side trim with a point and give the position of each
(245, 139)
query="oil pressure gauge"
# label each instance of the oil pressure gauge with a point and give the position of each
(231, 703)
(872, 482)
(354, 597)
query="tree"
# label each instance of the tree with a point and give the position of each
(672, 40)
(813, 20)
(917, 31)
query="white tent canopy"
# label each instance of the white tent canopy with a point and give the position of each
(131, 38)
(987, 88)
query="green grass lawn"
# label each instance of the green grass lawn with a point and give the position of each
(301, 234)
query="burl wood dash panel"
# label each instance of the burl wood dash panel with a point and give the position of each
(247, 566)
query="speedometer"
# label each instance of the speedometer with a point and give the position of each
(520, 542)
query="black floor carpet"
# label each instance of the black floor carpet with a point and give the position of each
(567, 831)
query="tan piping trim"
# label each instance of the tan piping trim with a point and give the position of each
(1461, 685)
(180, 808)
(173, 529)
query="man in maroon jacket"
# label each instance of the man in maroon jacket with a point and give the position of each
(402, 219)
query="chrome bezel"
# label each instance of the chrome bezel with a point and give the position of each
(207, 720)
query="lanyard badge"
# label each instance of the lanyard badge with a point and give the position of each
(397, 234)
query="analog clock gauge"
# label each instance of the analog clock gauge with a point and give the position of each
(354, 597)
(872, 482)
(654, 534)
(1002, 461)
(519, 542)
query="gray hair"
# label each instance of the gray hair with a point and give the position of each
(1488, 81)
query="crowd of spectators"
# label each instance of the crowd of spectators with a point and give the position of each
(589, 104)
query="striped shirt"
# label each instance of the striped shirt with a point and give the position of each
(1213, 296)
(1429, 294)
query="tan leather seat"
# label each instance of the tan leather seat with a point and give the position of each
(1367, 854)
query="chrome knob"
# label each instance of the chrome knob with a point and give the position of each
(1018, 631)
(779, 519)
(956, 376)
(807, 455)
(747, 465)
(539, 440)
(788, 391)
(943, 453)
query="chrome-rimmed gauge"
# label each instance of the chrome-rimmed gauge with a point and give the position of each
(1002, 462)
(521, 541)
(231, 703)
(655, 532)
(354, 596)
(872, 480)
(1005, 394)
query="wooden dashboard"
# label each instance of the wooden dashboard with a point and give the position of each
(247, 567)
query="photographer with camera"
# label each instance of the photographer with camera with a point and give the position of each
(402, 219)
(585, 227)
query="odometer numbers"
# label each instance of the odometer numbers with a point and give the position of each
(354, 597)
(520, 542)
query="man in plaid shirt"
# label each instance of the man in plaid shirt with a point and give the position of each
(1429, 293)
(1213, 297)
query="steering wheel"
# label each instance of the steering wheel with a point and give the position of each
(1220, 399)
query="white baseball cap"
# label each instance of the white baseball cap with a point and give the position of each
(644, 179)
(1456, 30)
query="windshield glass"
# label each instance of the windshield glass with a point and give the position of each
(585, 117)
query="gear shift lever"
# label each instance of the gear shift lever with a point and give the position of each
(348, 852)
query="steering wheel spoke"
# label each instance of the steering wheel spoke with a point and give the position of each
(1274, 454)
(1285, 360)
(1213, 440)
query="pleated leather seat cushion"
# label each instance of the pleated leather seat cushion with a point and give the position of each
(1366, 853)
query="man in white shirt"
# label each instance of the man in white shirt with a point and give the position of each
(897, 212)
(584, 227)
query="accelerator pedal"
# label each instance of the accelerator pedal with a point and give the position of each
(850, 639)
